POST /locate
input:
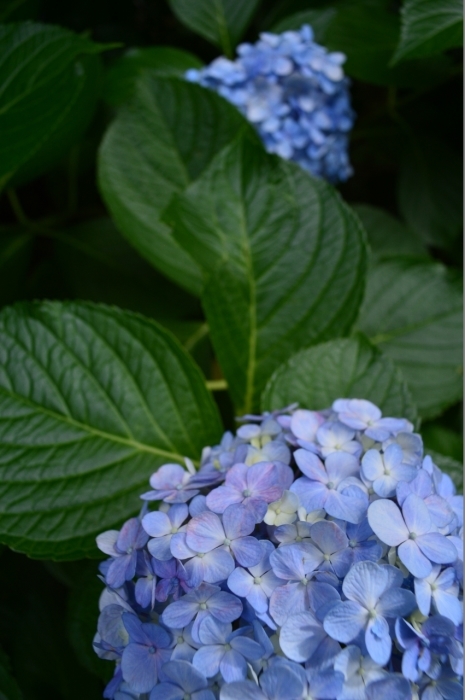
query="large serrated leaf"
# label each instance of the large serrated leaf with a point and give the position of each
(92, 401)
(283, 256)
(345, 368)
(220, 21)
(428, 27)
(49, 80)
(388, 237)
(413, 312)
(158, 144)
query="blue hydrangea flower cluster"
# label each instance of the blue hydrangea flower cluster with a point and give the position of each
(313, 555)
(295, 94)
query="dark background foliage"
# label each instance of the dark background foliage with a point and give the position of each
(58, 242)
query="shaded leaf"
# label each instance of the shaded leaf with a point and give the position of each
(121, 78)
(49, 79)
(15, 254)
(429, 27)
(367, 32)
(220, 21)
(283, 256)
(413, 312)
(430, 191)
(92, 401)
(388, 237)
(453, 467)
(344, 368)
(161, 141)
(9, 689)
(98, 264)
(443, 440)
(319, 20)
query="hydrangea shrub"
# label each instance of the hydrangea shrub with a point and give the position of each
(314, 554)
(295, 94)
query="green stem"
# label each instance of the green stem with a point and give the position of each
(217, 384)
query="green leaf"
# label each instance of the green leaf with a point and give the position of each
(443, 440)
(344, 368)
(49, 79)
(413, 312)
(429, 27)
(97, 264)
(319, 20)
(9, 689)
(430, 191)
(367, 32)
(121, 78)
(220, 21)
(161, 141)
(283, 256)
(92, 401)
(388, 237)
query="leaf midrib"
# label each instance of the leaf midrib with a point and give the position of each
(67, 420)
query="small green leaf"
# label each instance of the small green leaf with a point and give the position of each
(92, 401)
(344, 368)
(319, 20)
(220, 21)
(388, 237)
(49, 81)
(413, 312)
(121, 78)
(429, 27)
(161, 141)
(430, 191)
(283, 256)
(367, 32)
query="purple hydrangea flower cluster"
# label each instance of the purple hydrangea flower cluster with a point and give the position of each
(295, 94)
(313, 555)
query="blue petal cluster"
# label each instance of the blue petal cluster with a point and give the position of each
(295, 94)
(312, 555)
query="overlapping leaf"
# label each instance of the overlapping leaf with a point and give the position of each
(428, 27)
(283, 256)
(48, 86)
(348, 367)
(387, 235)
(220, 21)
(161, 141)
(413, 312)
(92, 401)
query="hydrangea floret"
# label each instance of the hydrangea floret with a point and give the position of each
(295, 94)
(314, 554)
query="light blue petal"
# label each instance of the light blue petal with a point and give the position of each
(156, 524)
(387, 522)
(437, 548)
(213, 631)
(247, 550)
(167, 691)
(390, 687)
(186, 675)
(279, 682)
(349, 504)
(245, 690)
(207, 659)
(311, 466)
(312, 494)
(414, 560)
(233, 667)
(238, 521)
(247, 647)
(300, 636)
(423, 595)
(139, 668)
(178, 614)
(240, 582)
(449, 606)
(372, 465)
(396, 602)
(328, 536)
(416, 515)
(365, 583)
(217, 565)
(205, 532)
(345, 620)
(378, 641)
